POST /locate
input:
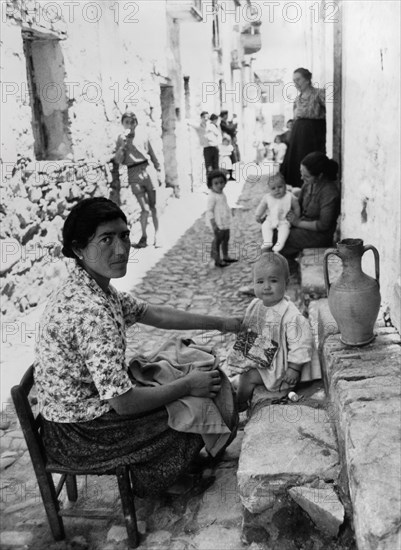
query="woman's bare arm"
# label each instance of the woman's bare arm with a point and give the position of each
(295, 206)
(176, 319)
(138, 400)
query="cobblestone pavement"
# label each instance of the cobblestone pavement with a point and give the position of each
(183, 278)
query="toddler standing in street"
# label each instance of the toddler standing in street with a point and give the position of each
(275, 341)
(279, 149)
(272, 213)
(219, 217)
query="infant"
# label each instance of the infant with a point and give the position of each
(272, 213)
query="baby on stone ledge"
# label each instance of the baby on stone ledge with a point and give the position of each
(275, 345)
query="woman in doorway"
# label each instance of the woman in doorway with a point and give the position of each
(309, 130)
(319, 200)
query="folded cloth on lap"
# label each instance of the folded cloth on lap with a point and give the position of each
(211, 418)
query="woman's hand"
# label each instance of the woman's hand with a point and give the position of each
(203, 383)
(292, 218)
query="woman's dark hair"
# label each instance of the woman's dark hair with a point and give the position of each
(304, 72)
(213, 117)
(317, 163)
(84, 219)
(215, 174)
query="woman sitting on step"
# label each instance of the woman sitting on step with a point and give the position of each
(95, 414)
(319, 200)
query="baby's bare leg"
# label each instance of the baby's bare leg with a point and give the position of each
(267, 234)
(246, 384)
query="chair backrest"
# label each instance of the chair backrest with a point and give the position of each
(30, 424)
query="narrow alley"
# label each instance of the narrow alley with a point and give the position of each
(294, 107)
(214, 520)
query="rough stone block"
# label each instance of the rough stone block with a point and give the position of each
(372, 443)
(312, 276)
(10, 254)
(284, 445)
(117, 533)
(227, 506)
(322, 505)
(352, 366)
(218, 538)
(16, 538)
(159, 539)
(364, 388)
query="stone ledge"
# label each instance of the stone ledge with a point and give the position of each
(302, 449)
(363, 384)
(290, 449)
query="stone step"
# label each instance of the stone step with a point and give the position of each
(312, 276)
(288, 446)
(364, 387)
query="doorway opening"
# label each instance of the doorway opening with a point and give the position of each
(48, 99)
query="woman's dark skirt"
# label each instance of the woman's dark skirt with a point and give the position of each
(158, 454)
(299, 239)
(307, 135)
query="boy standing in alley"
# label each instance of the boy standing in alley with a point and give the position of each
(136, 152)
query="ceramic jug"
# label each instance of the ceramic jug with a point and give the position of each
(354, 298)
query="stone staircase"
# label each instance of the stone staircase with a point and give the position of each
(324, 472)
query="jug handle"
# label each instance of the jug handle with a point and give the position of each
(325, 267)
(377, 264)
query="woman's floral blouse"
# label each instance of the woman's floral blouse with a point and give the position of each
(80, 356)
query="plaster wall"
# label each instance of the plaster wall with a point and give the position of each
(322, 23)
(114, 75)
(199, 64)
(106, 62)
(16, 134)
(371, 139)
(103, 62)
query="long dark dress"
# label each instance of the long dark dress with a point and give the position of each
(158, 455)
(307, 135)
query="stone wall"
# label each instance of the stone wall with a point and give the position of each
(100, 77)
(70, 71)
(84, 82)
(371, 205)
(30, 236)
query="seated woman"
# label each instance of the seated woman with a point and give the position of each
(319, 200)
(95, 416)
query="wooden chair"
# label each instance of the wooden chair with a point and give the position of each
(32, 433)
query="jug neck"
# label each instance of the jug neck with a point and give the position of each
(352, 262)
(351, 256)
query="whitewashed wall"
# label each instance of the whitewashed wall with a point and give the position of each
(371, 138)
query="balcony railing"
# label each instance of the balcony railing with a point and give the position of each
(185, 10)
